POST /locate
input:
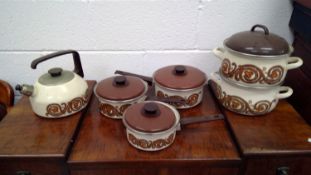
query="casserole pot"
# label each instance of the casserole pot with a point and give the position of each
(255, 58)
(59, 92)
(152, 125)
(248, 101)
(117, 93)
(181, 82)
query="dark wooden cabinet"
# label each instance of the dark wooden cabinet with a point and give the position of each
(269, 142)
(90, 144)
(33, 145)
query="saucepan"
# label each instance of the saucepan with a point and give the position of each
(177, 82)
(117, 93)
(152, 125)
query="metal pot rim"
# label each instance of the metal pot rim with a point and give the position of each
(172, 129)
(273, 57)
(181, 90)
(121, 101)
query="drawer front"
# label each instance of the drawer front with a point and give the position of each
(278, 166)
(158, 171)
(32, 167)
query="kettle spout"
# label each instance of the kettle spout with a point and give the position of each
(25, 89)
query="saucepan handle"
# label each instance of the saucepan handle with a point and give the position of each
(149, 80)
(200, 119)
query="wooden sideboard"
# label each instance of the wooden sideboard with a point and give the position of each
(88, 143)
(31, 145)
(277, 143)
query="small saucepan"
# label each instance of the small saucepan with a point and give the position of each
(117, 93)
(152, 125)
(177, 82)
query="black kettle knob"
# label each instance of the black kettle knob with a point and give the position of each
(55, 72)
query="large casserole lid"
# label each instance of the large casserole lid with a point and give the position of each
(179, 77)
(258, 42)
(149, 117)
(120, 88)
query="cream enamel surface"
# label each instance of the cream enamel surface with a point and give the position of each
(45, 95)
(263, 63)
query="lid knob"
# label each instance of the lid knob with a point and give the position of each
(151, 109)
(120, 80)
(262, 27)
(179, 70)
(55, 72)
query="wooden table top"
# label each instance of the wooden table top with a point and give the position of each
(102, 141)
(28, 135)
(281, 132)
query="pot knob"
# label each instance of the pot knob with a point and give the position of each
(55, 72)
(120, 81)
(151, 110)
(180, 70)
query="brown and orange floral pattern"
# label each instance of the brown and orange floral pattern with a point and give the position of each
(57, 110)
(147, 144)
(251, 74)
(239, 105)
(112, 111)
(190, 101)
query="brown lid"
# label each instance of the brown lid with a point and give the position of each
(120, 88)
(256, 42)
(179, 77)
(149, 117)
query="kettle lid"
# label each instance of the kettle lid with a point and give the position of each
(56, 76)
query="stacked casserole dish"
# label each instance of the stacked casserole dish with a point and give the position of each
(254, 65)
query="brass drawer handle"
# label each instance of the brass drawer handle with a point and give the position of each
(282, 171)
(23, 173)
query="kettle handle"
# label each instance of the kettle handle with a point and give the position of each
(76, 59)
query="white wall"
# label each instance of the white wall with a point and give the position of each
(132, 35)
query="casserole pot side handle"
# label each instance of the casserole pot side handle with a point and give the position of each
(215, 77)
(219, 52)
(76, 59)
(294, 62)
(284, 92)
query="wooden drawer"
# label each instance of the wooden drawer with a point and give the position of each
(275, 166)
(158, 171)
(32, 166)
(33, 145)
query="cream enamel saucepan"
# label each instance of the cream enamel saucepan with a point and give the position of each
(152, 125)
(181, 82)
